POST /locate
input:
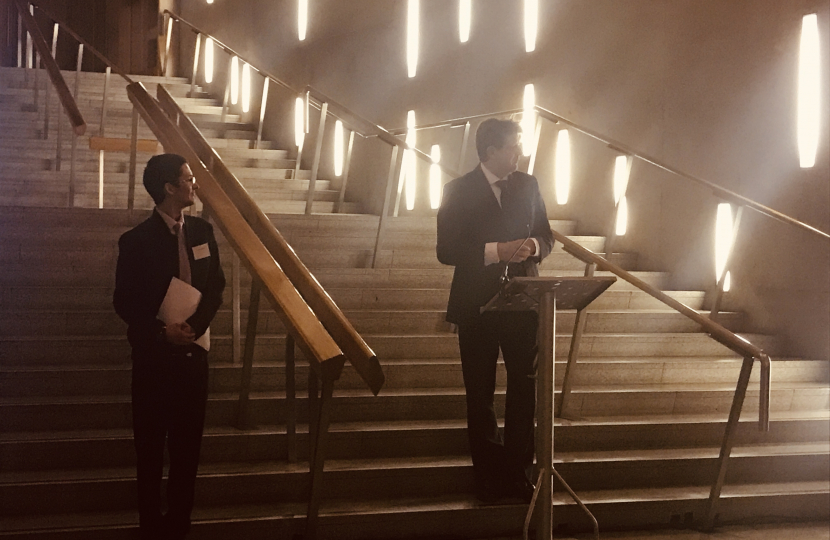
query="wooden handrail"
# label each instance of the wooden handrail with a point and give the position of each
(299, 319)
(85, 43)
(55, 75)
(718, 190)
(718, 332)
(361, 356)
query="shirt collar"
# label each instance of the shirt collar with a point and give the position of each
(488, 174)
(169, 221)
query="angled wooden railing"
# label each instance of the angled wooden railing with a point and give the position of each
(358, 352)
(322, 352)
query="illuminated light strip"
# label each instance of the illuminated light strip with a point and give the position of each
(465, 16)
(234, 80)
(338, 148)
(299, 121)
(209, 60)
(246, 87)
(622, 217)
(411, 137)
(528, 119)
(531, 24)
(723, 239)
(302, 19)
(809, 95)
(435, 177)
(562, 168)
(412, 30)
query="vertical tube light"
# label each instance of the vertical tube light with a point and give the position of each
(465, 17)
(411, 138)
(246, 87)
(808, 91)
(562, 168)
(299, 121)
(531, 24)
(209, 1)
(302, 18)
(528, 119)
(723, 241)
(209, 60)
(622, 170)
(435, 178)
(338, 148)
(412, 29)
(234, 80)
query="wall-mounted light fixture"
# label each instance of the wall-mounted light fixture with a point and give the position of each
(809, 95)
(723, 242)
(435, 177)
(209, 1)
(299, 121)
(209, 60)
(246, 87)
(234, 80)
(562, 167)
(622, 171)
(531, 24)
(412, 38)
(465, 17)
(411, 136)
(338, 148)
(528, 119)
(302, 18)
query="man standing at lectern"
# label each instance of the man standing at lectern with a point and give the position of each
(170, 370)
(492, 222)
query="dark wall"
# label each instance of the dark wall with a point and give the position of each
(125, 31)
(704, 85)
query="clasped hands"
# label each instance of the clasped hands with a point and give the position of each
(179, 334)
(516, 250)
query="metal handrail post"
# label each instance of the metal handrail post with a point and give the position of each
(386, 202)
(49, 86)
(71, 201)
(226, 99)
(242, 420)
(19, 40)
(345, 181)
(299, 159)
(37, 82)
(573, 353)
(262, 112)
(236, 308)
(195, 66)
(713, 314)
(315, 164)
(290, 398)
(167, 44)
(101, 134)
(402, 179)
(133, 158)
(728, 442)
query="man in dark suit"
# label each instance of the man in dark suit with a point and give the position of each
(493, 219)
(170, 370)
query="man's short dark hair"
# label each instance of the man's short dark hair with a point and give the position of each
(494, 132)
(160, 170)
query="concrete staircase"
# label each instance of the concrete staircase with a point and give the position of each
(653, 393)
(28, 174)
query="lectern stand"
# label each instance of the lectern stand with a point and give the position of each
(546, 295)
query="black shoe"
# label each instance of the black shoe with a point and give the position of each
(486, 492)
(521, 489)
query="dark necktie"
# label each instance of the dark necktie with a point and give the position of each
(507, 193)
(184, 262)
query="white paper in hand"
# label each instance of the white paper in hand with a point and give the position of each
(179, 303)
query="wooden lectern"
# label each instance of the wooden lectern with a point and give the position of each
(546, 295)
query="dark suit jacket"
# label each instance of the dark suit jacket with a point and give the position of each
(470, 217)
(148, 258)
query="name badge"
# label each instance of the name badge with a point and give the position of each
(200, 252)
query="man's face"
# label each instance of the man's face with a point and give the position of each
(503, 161)
(183, 192)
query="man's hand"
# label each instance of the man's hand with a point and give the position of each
(519, 250)
(179, 334)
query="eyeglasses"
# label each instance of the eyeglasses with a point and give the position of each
(188, 180)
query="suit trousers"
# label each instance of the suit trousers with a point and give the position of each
(169, 397)
(497, 460)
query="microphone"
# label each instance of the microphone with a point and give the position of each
(504, 278)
